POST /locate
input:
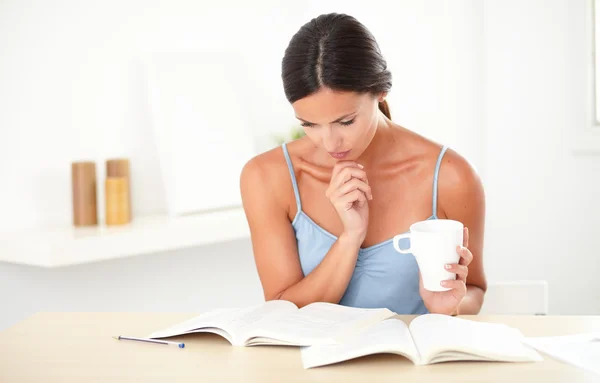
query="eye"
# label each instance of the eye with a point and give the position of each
(349, 122)
(307, 124)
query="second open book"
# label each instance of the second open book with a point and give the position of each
(429, 339)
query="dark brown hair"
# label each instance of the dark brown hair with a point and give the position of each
(338, 52)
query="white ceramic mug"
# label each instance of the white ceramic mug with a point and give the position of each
(433, 244)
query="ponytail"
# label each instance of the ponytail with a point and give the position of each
(385, 109)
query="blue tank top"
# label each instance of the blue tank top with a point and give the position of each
(382, 278)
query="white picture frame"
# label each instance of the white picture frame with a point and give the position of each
(200, 119)
(586, 79)
(596, 58)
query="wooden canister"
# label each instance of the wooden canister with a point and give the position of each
(117, 200)
(119, 167)
(84, 200)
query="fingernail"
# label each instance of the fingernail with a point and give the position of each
(447, 267)
(443, 283)
(360, 166)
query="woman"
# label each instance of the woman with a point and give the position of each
(323, 209)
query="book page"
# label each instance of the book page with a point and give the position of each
(234, 321)
(581, 350)
(319, 323)
(445, 338)
(389, 336)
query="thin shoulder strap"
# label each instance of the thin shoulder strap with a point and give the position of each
(435, 179)
(293, 175)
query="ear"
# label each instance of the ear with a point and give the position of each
(382, 96)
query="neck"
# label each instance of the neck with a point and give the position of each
(381, 140)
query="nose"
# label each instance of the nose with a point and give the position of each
(331, 140)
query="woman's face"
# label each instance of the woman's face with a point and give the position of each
(341, 123)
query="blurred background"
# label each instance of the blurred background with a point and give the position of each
(187, 91)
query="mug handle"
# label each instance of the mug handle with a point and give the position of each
(397, 246)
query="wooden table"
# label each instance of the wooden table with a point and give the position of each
(78, 347)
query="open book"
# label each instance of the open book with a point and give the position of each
(581, 350)
(430, 338)
(280, 322)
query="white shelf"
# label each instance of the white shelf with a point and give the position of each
(56, 247)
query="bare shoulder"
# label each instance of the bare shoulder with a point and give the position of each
(416, 148)
(263, 166)
(457, 171)
(460, 186)
(459, 183)
(265, 175)
(454, 169)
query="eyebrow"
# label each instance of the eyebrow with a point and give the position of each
(333, 122)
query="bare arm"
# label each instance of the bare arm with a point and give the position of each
(462, 198)
(329, 280)
(275, 248)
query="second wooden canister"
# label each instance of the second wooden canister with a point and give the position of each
(119, 167)
(116, 191)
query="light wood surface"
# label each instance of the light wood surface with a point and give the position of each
(78, 347)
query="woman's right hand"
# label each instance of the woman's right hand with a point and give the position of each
(348, 192)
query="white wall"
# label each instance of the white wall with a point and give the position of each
(191, 280)
(72, 87)
(484, 77)
(543, 201)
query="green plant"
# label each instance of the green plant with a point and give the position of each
(294, 133)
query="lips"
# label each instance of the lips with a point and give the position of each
(339, 155)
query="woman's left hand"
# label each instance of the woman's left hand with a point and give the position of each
(447, 302)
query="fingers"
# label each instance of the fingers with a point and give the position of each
(348, 200)
(348, 186)
(459, 287)
(466, 257)
(345, 175)
(353, 184)
(466, 237)
(341, 165)
(461, 271)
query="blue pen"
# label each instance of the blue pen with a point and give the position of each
(178, 344)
